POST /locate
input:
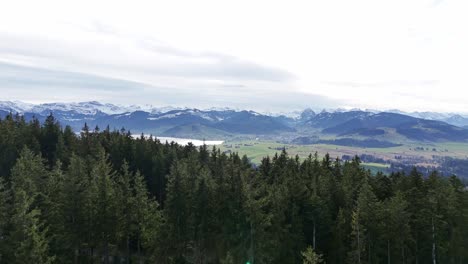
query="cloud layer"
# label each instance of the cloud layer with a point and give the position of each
(258, 55)
(36, 84)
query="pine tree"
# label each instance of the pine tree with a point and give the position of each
(53, 209)
(126, 207)
(260, 244)
(4, 214)
(177, 209)
(28, 173)
(27, 238)
(75, 205)
(442, 206)
(28, 235)
(396, 228)
(365, 220)
(458, 222)
(340, 242)
(215, 208)
(358, 235)
(310, 257)
(70, 143)
(415, 192)
(106, 226)
(49, 139)
(147, 219)
(204, 217)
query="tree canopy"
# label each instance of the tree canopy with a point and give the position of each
(103, 197)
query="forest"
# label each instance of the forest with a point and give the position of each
(101, 196)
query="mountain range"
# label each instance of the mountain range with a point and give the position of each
(223, 123)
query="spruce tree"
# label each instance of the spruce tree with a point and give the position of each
(365, 221)
(146, 219)
(126, 207)
(53, 213)
(29, 173)
(395, 228)
(4, 215)
(49, 140)
(104, 197)
(27, 240)
(177, 210)
(204, 217)
(310, 257)
(75, 208)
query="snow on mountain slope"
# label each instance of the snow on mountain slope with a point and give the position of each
(86, 108)
(91, 109)
(15, 106)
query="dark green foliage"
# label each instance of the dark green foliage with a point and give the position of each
(4, 211)
(26, 236)
(104, 197)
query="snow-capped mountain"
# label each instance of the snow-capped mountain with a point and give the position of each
(170, 121)
(178, 121)
(455, 119)
(84, 108)
(15, 106)
(430, 115)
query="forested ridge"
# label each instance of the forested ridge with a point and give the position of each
(104, 197)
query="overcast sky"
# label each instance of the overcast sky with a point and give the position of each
(264, 55)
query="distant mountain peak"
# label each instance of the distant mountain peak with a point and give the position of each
(144, 117)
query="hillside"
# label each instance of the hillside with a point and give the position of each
(225, 123)
(330, 119)
(163, 121)
(111, 190)
(409, 127)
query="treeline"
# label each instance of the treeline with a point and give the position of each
(104, 197)
(444, 165)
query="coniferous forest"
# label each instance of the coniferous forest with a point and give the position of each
(103, 197)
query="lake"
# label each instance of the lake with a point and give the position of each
(185, 141)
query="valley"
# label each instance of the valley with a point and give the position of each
(430, 155)
(385, 141)
(223, 132)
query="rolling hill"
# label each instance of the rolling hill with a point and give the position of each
(169, 122)
(225, 123)
(330, 119)
(407, 126)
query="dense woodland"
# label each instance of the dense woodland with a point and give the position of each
(103, 197)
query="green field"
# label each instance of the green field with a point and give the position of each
(375, 167)
(257, 149)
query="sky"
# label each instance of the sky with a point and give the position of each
(260, 55)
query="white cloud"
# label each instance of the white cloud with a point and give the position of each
(377, 54)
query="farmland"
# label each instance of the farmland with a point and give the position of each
(417, 154)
